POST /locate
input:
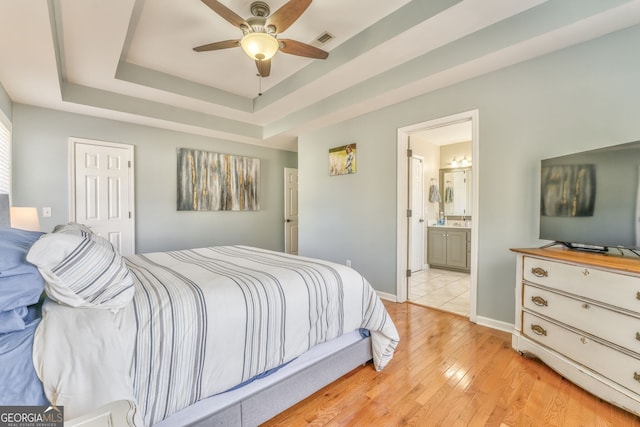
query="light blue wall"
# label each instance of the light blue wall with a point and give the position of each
(40, 178)
(579, 98)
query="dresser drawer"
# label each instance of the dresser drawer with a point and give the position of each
(618, 366)
(619, 290)
(612, 326)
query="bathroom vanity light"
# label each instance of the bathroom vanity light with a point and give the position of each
(463, 163)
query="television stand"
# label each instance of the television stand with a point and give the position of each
(585, 247)
(552, 244)
(577, 246)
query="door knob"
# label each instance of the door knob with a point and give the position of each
(288, 220)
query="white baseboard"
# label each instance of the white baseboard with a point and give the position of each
(494, 324)
(482, 321)
(388, 297)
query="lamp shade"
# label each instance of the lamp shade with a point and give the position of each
(259, 46)
(25, 218)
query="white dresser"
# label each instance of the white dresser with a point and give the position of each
(580, 314)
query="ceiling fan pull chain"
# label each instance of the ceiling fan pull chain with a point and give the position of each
(259, 84)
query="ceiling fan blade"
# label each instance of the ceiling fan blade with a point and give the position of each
(226, 13)
(217, 45)
(293, 47)
(287, 14)
(264, 67)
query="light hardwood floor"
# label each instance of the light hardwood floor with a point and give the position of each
(450, 372)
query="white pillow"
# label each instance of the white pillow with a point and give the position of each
(82, 271)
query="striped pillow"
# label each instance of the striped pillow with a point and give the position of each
(73, 228)
(82, 231)
(82, 271)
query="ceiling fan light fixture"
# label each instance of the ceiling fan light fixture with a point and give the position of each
(259, 46)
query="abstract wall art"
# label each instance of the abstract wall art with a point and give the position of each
(210, 181)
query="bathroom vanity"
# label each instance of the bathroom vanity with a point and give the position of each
(449, 247)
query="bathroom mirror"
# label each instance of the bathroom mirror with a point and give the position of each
(456, 191)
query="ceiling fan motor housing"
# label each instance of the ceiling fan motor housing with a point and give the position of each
(258, 25)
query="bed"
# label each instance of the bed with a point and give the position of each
(228, 335)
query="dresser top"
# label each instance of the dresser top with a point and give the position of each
(614, 262)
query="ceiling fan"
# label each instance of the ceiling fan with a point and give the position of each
(260, 33)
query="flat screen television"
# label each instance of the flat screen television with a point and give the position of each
(590, 200)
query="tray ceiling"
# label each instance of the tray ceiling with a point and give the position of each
(132, 60)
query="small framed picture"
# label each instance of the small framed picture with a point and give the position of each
(342, 160)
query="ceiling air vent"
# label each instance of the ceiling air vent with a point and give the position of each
(324, 37)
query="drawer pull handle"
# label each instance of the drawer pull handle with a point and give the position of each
(537, 329)
(638, 336)
(583, 340)
(638, 295)
(586, 306)
(636, 376)
(541, 272)
(539, 301)
(586, 272)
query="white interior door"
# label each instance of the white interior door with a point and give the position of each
(417, 214)
(102, 189)
(291, 211)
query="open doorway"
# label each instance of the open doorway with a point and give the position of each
(449, 147)
(444, 279)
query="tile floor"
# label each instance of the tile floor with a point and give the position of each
(442, 289)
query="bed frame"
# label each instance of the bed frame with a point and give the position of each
(266, 402)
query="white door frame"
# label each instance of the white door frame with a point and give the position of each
(402, 203)
(72, 179)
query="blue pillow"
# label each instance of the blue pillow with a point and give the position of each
(20, 281)
(14, 245)
(19, 383)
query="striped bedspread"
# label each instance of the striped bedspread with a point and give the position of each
(209, 319)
